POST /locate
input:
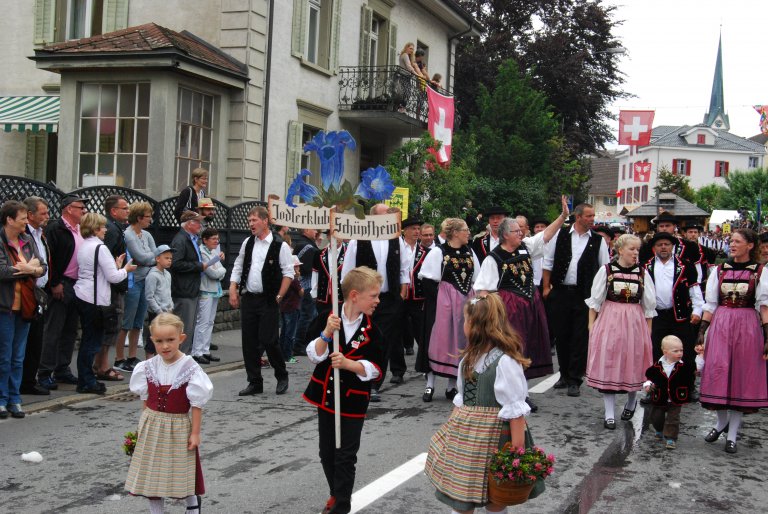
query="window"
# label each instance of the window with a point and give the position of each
(701, 139)
(629, 195)
(60, 20)
(753, 162)
(609, 201)
(623, 171)
(637, 193)
(681, 167)
(645, 194)
(721, 168)
(315, 34)
(631, 167)
(194, 134)
(313, 31)
(114, 135)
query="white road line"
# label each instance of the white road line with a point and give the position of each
(388, 482)
(545, 385)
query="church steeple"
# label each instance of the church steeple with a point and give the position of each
(716, 117)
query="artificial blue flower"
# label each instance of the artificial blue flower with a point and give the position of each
(305, 191)
(376, 184)
(329, 147)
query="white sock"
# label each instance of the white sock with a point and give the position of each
(431, 380)
(722, 420)
(631, 401)
(156, 506)
(734, 424)
(451, 383)
(610, 405)
(455, 512)
(191, 501)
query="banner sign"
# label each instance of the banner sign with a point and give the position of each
(635, 127)
(370, 228)
(642, 171)
(303, 216)
(399, 199)
(440, 123)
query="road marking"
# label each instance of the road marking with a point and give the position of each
(379, 487)
(545, 385)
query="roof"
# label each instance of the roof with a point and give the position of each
(605, 175)
(682, 208)
(760, 138)
(671, 136)
(30, 113)
(147, 39)
(465, 15)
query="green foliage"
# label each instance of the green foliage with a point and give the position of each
(711, 197)
(669, 182)
(745, 187)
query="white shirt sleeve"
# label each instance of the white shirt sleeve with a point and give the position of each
(313, 291)
(405, 265)
(199, 389)
(712, 295)
(599, 290)
(697, 299)
(699, 273)
(488, 277)
(371, 372)
(312, 355)
(237, 268)
(536, 245)
(649, 295)
(761, 294)
(476, 267)
(511, 389)
(604, 257)
(549, 252)
(431, 268)
(286, 261)
(109, 268)
(458, 400)
(350, 259)
(138, 383)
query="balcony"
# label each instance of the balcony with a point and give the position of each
(384, 98)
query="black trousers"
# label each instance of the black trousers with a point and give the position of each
(59, 333)
(32, 355)
(664, 324)
(339, 464)
(260, 323)
(413, 322)
(388, 316)
(570, 317)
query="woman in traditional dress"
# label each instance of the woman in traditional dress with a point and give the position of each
(734, 378)
(447, 273)
(621, 307)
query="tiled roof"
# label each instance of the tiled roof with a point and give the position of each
(605, 175)
(682, 208)
(149, 38)
(672, 136)
(760, 138)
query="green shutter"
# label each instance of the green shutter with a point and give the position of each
(45, 21)
(366, 24)
(392, 43)
(35, 160)
(115, 15)
(293, 155)
(333, 62)
(299, 32)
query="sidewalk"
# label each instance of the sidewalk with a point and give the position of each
(230, 352)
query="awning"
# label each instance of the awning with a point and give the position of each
(29, 113)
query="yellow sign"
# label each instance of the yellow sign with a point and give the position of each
(726, 228)
(399, 199)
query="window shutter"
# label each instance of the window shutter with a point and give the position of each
(366, 23)
(45, 20)
(688, 167)
(392, 43)
(115, 15)
(333, 62)
(726, 168)
(36, 151)
(717, 168)
(293, 161)
(299, 32)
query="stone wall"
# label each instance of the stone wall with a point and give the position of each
(227, 318)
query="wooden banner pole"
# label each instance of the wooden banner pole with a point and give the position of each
(333, 256)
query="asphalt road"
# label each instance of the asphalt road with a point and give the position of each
(259, 455)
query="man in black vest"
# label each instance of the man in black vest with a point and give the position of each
(413, 306)
(390, 259)
(686, 251)
(262, 273)
(570, 262)
(485, 242)
(707, 256)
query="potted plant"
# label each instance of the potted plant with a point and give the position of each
(514, 471)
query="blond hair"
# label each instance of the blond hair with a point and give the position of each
(624, 240)
(361, 279)
(452, 225)
(138, 209)
(91, 223)
(669, 340)
(167, 319)
(405, 48)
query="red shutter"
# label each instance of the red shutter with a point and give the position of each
(674, 166)
(726, 168)
(717, 168)
(645, 193)
(688, 167)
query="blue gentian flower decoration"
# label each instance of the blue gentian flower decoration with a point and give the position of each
(376, 184)
(300, 188)
(329, 147)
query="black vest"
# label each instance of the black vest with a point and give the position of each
(458, 267)
(684, 276)
(323, 275)
(620, 290)
(585, 269)
(515, 271)
(482, 247)
(366, 257)
(271, 274)
(416, 287)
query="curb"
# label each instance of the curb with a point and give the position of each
(111, 391)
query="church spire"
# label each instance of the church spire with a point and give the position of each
(716, 117)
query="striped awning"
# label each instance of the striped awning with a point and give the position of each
(29, 113)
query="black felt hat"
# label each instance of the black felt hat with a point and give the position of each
(495, 209)
(665, 217)
(408, 222)
(602, 229)
(539, 221)
(662, 236)
(693, 224)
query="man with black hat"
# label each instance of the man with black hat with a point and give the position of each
(607, 234)
(684, 250)
(61, 318)
(413, 306)
(485, 242)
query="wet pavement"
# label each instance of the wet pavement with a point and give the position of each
(259, 453)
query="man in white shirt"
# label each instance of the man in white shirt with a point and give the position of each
(485, 244)
(427, 236)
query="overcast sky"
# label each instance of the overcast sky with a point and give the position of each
(671, 52)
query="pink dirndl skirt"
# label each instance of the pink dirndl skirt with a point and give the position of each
(620, 348)
(447, 338)
(734, 375)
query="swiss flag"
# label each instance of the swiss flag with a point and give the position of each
(642, 171)
(635, 127)
(440, 123)
(619, 193)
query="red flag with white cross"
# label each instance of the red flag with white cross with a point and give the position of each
(635, 127)
(440, 123)
(642, 171)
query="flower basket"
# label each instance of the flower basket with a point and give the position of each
(129, 443)
(514, 472)
(508, 493)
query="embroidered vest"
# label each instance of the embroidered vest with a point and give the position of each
(458, 267)
(324, 276)
(479, 392)
(366, 257)
(684, 276)
(416, 287)
(624, 285)
(737, 287)
(271, 274)
(587, 265)
(515, 271)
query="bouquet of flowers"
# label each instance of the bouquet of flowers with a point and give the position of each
(129, 443)
(513, 472)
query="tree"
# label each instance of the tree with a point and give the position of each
(711, 197)
(669, 182)
(745, 187)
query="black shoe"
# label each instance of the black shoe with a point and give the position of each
(573, 390)
(133, 361)
(645, 399)
(730, 446)
(533, 406)
(212, 358)
(200, 359)
(610, 424)
(96, 388)
(560, 384)
(451, 393)
(428, 393)
(252, 388)
(375, 396)
(35, 389)
(694, 396)
(282, 386)
(409, 351)
(123, 365)
(714, 434)
(66, 378)
(627, 414)
(3, 412)
(48, 383)
(396, 379)
(213, 347)
(18, 413)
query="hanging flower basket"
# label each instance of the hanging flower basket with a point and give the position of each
(508, 493)
(513, 472)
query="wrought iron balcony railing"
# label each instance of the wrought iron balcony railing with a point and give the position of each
(384, 88)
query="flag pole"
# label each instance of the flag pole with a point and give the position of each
(333, 256)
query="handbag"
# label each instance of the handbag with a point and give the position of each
(104, 315)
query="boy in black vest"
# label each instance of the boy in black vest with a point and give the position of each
(262, 273)
(359, 360)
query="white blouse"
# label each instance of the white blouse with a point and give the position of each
(432, 267)
(199, 386)
(600, 291)
(712, 297)
(510, 387)
(488, 277)
(106, 274)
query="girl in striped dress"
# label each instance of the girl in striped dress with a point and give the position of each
(166, 461)
(489, 411)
